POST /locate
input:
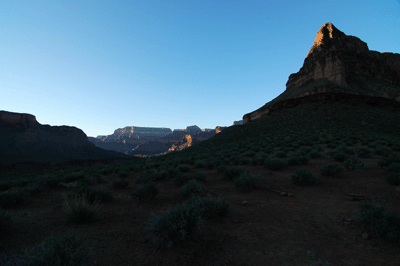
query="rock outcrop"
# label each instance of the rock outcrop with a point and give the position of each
(177, 140)
(137, 133)
(23, 139)
(339, 64)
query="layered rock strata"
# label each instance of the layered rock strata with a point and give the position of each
(342, 64)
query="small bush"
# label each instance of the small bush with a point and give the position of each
(333, 170)
(363, 152)
(174, 225)
(280, 154)
(182, 179)
(298, 160)
(5, 221)
(13, 197)
(211, 209)
(314, 154)
(393, 178)
(274, 164)
(394, 168)
(222, 168)
(145, 176)
(338, 156)
(200, 176)
(79, 210)
(304, 178)
(233, 172)
(388, 160)
(66, 250)
(145, 192)
(354, 164)
(200, 164)
(120, 183)
(246, 182)
(193, 187)
(183, 168)
(72, 177)
(257, 160)
(379, 221)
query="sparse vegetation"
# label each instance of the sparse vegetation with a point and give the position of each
(80, 210)
(354, 164)
(332, 170)
(193, 187)
(174, 225)
(274, 164)
(247, 182)
(379, 221)
(145, 192)
(65, 250)
(120, 183)
(233, 172)
(303, 177)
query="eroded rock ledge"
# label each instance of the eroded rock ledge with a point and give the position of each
(340, 64)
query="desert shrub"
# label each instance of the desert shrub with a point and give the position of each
(250, 153)
(193, 187)
(145, 192)
(363, 152)
(72, 177)
(338, 156)
(183, 168)
(333, 170)
(13, 197)
(5, 221)
(274, 164)
(174, 225)
(354, 164)
(388, 160)
(257, 160)
(379, 221)
(66, 250)
(123, 173)
(281, 154)
(210, 208)
(200, 164)
(304, 178)
(246, 182)
(346, 150)
(314, 154)
(244, 161)
(120, 183)
(381, 150)
(233, 172)
(222, 168)
(393, 178)
(181, 179)
(80, 210)
(211, 163)
(172, 172)
(394, 168)
(200, 176)
(298, 160)
(145, 176)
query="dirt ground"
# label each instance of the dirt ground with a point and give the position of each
(263, 228)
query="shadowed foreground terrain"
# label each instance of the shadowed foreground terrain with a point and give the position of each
(308, 224)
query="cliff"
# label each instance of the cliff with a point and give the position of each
(339, 64)
(22, 138)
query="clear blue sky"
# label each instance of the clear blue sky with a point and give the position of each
(101, 65)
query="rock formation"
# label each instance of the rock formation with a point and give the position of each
(125, 142)
(25, 139)
(237, 123)
(339, 65)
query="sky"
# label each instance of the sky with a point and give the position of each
(101, 65)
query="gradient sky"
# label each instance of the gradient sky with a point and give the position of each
(102, 65)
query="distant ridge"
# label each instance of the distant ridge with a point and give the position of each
(23, 139)
(342, 68)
